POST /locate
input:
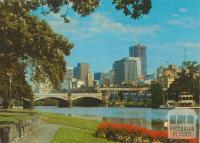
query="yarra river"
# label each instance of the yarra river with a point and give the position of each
(146, 117)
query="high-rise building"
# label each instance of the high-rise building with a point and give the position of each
(81, 71)
(127, 70)
(140, 51)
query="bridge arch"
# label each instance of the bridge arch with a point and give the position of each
(91, 97)
(52, 97)
(87, 102)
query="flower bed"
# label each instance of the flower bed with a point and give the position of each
(134, 134)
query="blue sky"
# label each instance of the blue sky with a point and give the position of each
(104, 36)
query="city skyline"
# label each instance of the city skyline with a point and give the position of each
(108, 33)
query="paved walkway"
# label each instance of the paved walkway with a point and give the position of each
(43, 134)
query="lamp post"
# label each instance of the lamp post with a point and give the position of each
(10, 82)
(10, 87)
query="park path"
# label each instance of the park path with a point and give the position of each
(43, 134)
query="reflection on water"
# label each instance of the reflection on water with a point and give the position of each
(154, 124)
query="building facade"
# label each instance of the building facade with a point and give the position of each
(140, 51)
(81, 72)
(90, 79)
(42, 87)
(167, 75)
(126, 70)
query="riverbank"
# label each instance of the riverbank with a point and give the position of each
(14, 125)
(73, 129)
(14, 116)
(70, 129)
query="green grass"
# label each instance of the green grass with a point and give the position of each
(77, 122)
(14, 116)
(74, 135)
(73, 129)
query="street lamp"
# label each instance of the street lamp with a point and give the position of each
(10, 81)
(10, 86)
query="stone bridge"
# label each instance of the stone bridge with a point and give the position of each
(102, 94)
(69, 97)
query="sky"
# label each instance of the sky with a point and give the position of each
(105, 36)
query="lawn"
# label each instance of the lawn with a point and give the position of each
(87, 124)
(74, 135)
(14, 116)
(73, 129)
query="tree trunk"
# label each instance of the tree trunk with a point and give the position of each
(6, 103)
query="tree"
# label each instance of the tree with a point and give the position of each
(30, 43)
(133, 8)
(27, 42)
(20, 89)
(188, 81)
(156, 94)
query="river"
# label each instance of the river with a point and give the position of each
(146, 117)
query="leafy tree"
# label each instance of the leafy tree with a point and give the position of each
(188, 81)
(157, 94)
(20, 89)
(28, 42)
(133, 8)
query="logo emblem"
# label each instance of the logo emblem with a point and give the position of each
(182, 123)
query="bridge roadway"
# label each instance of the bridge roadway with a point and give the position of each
(66, 96)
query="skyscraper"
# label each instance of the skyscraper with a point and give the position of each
(81, 71)
(140, 51)
(126, 70)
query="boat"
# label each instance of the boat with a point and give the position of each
(185, 101)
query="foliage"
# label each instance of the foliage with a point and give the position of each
(20, 89)
(130, 133)
(133, 8)
(28, 41)
(188, 81)
(137, 104)
(156, 94)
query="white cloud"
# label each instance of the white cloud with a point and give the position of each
(188, 44)
(175, 15)
(186, 22)
(183, 10)
(97, 24)
(101, 23)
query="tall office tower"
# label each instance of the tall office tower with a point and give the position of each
(140, 51)
(81, 72)
(127, 70)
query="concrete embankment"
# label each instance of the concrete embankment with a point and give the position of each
(12, 133)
